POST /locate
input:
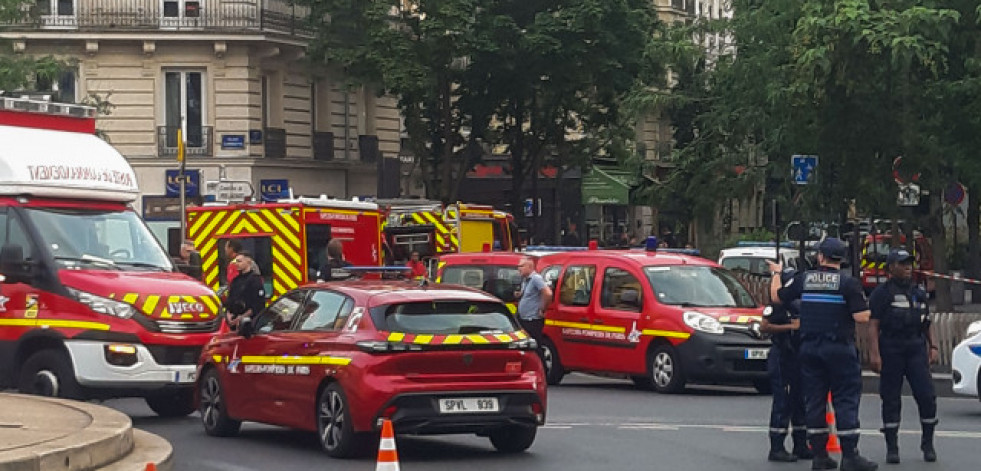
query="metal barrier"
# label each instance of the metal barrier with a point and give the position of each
(948, 327)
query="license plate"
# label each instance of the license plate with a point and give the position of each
(468, 405)
(757, 353)
(185, 376)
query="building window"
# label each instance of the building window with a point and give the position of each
(181, 13)
(57, 13)
(63, 89)
(184, 100)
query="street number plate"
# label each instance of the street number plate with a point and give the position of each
(757, 353)
(468, 405)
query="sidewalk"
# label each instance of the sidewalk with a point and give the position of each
(38, 433)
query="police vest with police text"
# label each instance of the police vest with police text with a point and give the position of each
(824, 309)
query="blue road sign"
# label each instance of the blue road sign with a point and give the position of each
(803, 168)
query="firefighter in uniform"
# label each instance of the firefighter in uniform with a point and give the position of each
(903, 346)
(831, 303)
(782, 323)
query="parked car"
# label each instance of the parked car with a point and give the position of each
(751, 257)
(495, 273)
(337, 358)
(966, 362)
(662, 319)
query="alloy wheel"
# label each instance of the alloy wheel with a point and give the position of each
(331, 419)
(663, 369)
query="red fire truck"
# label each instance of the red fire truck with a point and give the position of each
(286, 238)
(876, 247)
(90, 303)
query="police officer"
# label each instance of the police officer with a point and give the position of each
(831, 303)
(902, 345)
(788, 401)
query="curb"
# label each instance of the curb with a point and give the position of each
(107, 437)
(147, 448)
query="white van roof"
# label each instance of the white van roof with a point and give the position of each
(63, 164)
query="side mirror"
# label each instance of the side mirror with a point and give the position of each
(245, 327)
(13, 265)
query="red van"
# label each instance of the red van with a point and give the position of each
(662, 319)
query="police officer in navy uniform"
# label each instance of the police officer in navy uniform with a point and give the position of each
(831, 303)
(782, 323)
(903, 346)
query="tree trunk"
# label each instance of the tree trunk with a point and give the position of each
(973, 268)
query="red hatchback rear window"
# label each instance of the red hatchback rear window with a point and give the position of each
(444, 318)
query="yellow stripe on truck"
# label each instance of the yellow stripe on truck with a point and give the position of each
(578, 325)
(666, 333)
(54, 323)
(294, 360)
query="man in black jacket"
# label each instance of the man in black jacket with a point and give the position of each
(246, 293)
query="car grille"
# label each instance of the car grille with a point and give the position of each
(749, 365)
(179, 327)
(173, 355)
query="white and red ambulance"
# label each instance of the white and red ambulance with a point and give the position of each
(90, 303)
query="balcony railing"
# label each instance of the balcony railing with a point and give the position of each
(199, 141)
(233, 16)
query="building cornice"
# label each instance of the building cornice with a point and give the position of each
(158, 36)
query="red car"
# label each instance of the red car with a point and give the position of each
(337, 358)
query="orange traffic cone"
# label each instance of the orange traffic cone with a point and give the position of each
(151, 467)
(833, 445)
(388, 456)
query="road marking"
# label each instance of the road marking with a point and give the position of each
(732, 428)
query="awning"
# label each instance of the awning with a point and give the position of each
(607, 185)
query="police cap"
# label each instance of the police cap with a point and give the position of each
(898, 255)
(833, 248)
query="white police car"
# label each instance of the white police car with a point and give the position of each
(966, 362)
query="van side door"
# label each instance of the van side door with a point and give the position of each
(570, 321)
(617, 320)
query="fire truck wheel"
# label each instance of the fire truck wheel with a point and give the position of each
(49, 373)
(171, 403)
(554, 372)
(214, 411)
(664, 370)
(513, 439)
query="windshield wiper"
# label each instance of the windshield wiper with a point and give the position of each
(142, 265)
(88, 259)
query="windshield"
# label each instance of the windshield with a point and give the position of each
(877, 251)
(444, 318)
(697, 286)
(98, 239)
(753, 265)
(497, 280)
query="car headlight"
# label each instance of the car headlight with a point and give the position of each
(702, 322)
(972, 329)
(102, 305)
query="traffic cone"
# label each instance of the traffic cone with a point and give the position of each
(388, 456)
(151, 467)
(833, 445)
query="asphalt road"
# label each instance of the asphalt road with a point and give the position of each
(593, 424)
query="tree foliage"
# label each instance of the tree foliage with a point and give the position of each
(472, 75)
(18, 71)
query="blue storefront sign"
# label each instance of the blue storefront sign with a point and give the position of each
(192, 179)
(274, 190)
(233, 141)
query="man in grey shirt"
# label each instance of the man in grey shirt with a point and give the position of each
(532, 298)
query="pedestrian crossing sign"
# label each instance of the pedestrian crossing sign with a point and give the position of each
(803, 168)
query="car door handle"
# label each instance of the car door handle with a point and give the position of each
(583, 319)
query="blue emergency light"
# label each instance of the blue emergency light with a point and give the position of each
(650, 244)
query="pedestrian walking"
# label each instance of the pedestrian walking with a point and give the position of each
(902, 346)
(831, 302)
(532, 297)
(782, 323)
(246, 293)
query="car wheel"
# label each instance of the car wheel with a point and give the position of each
(49, 373)
(334, 427)
(665, 372)
(171, 403)
(763, 386)
(214, 412)
(513, 439)
(554, 372)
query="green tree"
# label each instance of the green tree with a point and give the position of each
(18, 71)
(471, 74)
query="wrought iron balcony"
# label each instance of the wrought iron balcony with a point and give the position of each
(232, 16)
(199, 141)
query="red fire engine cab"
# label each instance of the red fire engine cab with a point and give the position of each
(90, 303)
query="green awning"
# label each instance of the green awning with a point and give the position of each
(607, 185)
